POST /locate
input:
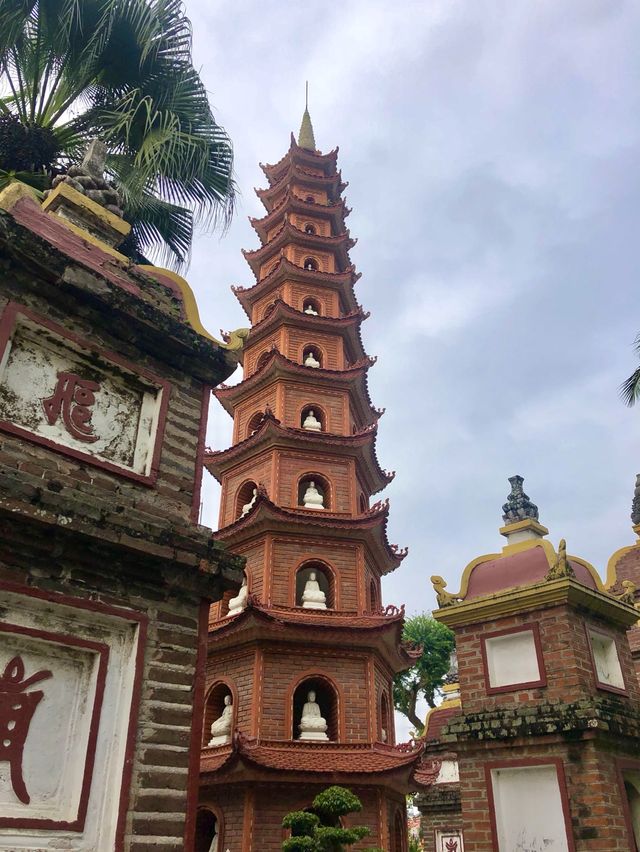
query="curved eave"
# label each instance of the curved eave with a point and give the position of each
(327, 162)
(292, 203)
(348, 326)
(297, 176)
(369, 527)
(361, 445)
(354, 378)
(290, 235)
(361, 762)
(341, 281)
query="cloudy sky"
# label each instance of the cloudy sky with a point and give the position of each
(493, 155)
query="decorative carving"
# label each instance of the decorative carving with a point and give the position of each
(17, 707)
(561, 567)
(73, 398)
(443, 598)
(518, 506)
(628, 595)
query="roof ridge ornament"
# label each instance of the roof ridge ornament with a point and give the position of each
(306, 138)
(561, 567)
(518, 506)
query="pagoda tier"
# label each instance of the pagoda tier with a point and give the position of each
(301, 662)
(366, 764)
(331, 247)
(379, 631)
(294, 206)
(348, 326)
(294, 281)
(369, 528)
(276, 368)
(271, 434)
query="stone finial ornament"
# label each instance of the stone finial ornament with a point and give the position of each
(88, 178)
(443, 598)
(635, 506)
(518, 506)
(561, 567)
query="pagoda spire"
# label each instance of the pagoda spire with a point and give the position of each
(306, 139)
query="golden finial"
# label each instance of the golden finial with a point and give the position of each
(306, 139)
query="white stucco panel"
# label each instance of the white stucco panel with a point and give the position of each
(67, 678)
(72, 396)
(512, 659)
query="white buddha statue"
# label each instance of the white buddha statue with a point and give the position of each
(312, 725)
(221, 728)
(312, 423)
(309, 309)
(214, 841)
(312, 498)
(313, 597)
(248, 506)
(239, 603)
(310, 360)
(383, 735)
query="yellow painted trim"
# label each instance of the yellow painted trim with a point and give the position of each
(15, 192)
(612, 564)
(527, 524)
(63, 190)
(236, 339)
(94, 241)
(566, 590)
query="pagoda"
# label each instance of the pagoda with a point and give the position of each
(301, 661)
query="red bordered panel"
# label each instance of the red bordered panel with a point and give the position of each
(102, 651)
(524, 764)
(623, 764)
(513, 687)
(8, 323)
(608, 687)
(137, 618)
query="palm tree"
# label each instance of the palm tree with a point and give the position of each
(119, 70)
(630, 389)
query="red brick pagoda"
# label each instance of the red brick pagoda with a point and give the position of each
(301, 662)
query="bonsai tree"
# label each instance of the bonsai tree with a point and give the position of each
(319, 829)
(424, 679)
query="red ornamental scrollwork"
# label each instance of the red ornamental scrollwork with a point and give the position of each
(72, 400)
(17, 707)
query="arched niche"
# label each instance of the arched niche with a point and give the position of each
(309, 228)
(244, 496)
(312, 356)
(310, 264)
(385, 733)
(326, 698)
(269, 309)
(254, 422)
(399, 833)
(374, 595)
(311, 306)
(317, 412)
(362, 503)
(263, 358)
(324, 577)
(320, 483)
(209, 831)
(214, 706)
(310, 199)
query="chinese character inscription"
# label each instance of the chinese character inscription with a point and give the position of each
(72, 400)
(17, 707)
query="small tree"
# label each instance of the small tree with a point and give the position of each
(424, 679)
(319, 829)
(630, 389)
